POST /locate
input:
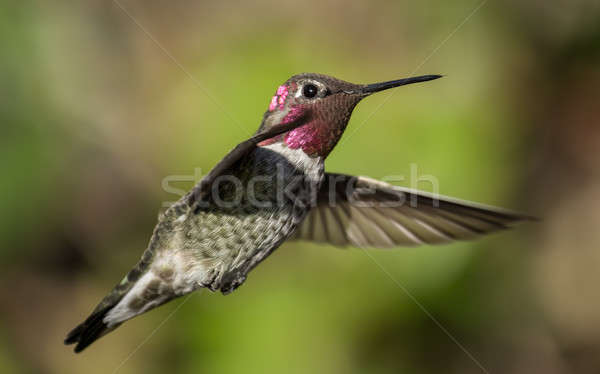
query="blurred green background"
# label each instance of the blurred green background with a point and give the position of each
(95, 115)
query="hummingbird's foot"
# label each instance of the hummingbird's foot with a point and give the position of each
(211, 281)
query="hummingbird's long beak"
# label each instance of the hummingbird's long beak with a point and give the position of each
(376, 87)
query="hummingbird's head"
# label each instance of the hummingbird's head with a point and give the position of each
(325, 103)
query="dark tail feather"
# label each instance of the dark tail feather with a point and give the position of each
(94, 327)
(90, 330)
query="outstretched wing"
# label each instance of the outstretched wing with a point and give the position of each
(362, 212)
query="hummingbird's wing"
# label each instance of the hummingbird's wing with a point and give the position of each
(202, 189)
(362, 212)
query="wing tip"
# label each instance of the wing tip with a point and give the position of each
(516, 217)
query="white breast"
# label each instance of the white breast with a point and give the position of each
(312, 166)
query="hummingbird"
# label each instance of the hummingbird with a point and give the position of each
(273, 188)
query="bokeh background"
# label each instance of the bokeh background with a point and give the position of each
(95, 114)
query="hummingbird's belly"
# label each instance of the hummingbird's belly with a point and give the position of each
(250, 218)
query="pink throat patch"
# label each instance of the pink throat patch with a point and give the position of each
(311, 137)
(279, 98)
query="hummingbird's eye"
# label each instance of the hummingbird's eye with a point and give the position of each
(310, 91)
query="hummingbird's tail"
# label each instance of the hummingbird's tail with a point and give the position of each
(95, 326)
(99, 322)
(90, 330)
